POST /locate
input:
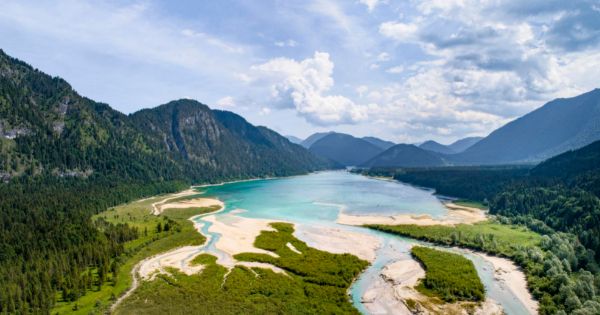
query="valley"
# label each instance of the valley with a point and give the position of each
(447, 162)
(233, 244)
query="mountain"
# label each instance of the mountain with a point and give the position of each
(436, 147)
(308, 142)
(463, 144)
(383, 144)
(558, 126)
(344, 149)
(220, 144)
(405, 155)
(294, 139)
(47, 128)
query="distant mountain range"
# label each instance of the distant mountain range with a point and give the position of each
(558, 126)
(405, 155)
(434, 146)
(379, 142)
(345, 149)
(453, 148)
(47, 128)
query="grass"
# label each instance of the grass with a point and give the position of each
(490, 237)
(448, 276)
(136, 214)
(471, 204)
(315, 282)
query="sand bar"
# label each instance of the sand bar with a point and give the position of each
(511, 275)
(456, 215)
(339, 241)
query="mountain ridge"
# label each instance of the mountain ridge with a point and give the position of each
(344, 149)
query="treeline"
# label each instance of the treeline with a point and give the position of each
(48, 243)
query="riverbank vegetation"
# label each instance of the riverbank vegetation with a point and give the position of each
(153, 235)
(315, 282)
(448, 276)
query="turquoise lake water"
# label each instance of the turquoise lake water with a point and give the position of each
(317, 199)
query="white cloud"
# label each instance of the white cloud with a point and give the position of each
(264, 111)
(399, 31)
(371, 4)
(226, 102)
(395, 70)
(361, 90)
(286, 43)
(304, 85)
(383, 57)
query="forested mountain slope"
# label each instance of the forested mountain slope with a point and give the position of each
(64, 157)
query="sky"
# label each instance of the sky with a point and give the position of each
(405, 71)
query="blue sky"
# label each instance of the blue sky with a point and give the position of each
(406, 71)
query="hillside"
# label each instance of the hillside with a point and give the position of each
(345, 149)
(383, 144)
(434, 146)
(558, 126)
(405, 155)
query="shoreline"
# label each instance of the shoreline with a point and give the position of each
(507, 272)
(456, 215)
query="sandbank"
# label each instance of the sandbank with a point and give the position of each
(456, 215)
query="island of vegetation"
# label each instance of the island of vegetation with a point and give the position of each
(450, 277)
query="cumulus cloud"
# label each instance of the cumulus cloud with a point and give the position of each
(399, 31)
(305, 86)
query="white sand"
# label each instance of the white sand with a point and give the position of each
(160, 206)
(456, 215)
(156, 207)
(237, 235)
(178, 258)
(293, 248)
(338, 241)
(508, 273)
(395, 284)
